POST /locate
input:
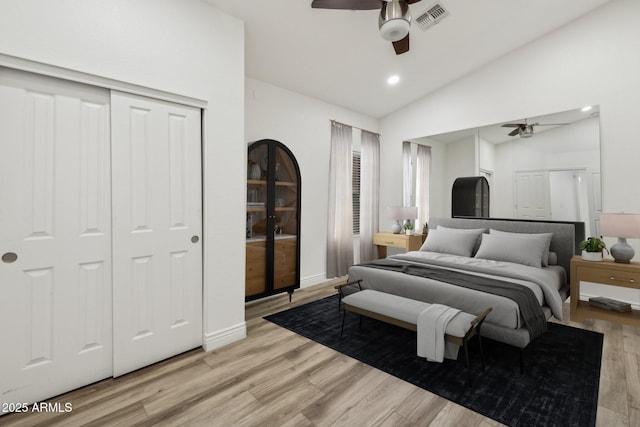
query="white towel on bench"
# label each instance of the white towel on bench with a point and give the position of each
(431, 328)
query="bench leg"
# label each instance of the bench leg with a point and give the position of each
(344, 313)
(481, 353)
(466, 355)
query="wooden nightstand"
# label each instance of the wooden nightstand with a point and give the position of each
(408, 243)
(608, 273)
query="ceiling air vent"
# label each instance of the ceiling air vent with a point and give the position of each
(431, 16)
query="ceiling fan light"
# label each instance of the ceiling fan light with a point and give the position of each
(394, 20)
(526, 131)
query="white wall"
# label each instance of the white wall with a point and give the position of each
(184, 47)
(449, 160)
(587, 62)
(590, 61)
(576, 146)
(303, 125)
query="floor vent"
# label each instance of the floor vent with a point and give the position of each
(431, 16)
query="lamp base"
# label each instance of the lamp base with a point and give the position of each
(622, 252)
(396, 227)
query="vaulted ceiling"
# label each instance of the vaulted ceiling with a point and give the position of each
(337, 56)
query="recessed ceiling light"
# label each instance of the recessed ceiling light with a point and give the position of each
(587, 108)
(393, 80)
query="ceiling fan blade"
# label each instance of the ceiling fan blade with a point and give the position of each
(412, 1)
(513, 125)
(514, 132)
(402, 45)
(551, 124)
(347, 4)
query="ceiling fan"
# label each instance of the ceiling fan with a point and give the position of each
(525, 130)
(394, 20)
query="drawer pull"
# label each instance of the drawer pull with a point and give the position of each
(623, 280)
(389, 243)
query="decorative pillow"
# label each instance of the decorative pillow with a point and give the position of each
(553, 258)
(512, 249)
(450, 242)
(545, 236)
(475, 231)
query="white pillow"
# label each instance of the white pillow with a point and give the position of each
(450, 242)
(545, 236)
(512, 249)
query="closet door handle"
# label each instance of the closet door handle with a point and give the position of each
(195, 239)
(9, 257)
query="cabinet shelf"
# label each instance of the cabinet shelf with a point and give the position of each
(278, 183)
(586, 311)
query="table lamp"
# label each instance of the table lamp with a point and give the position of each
(622, 226)
(410, 214)
(396, 213)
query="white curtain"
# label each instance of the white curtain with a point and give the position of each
(340, 211)
(369, 194)
(423, 173)
(407, 175)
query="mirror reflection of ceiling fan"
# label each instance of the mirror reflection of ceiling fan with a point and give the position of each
(394, 20)
(525, 130)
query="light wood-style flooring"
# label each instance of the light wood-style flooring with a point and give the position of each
(277, 378)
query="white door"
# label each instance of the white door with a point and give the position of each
(532, 195)
(55, 236)
(157, 225)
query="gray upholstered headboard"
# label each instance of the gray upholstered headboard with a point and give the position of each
(565, 240)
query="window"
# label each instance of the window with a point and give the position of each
(355, 191)
(416, 165)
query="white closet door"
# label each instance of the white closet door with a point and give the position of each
(157, 225)
(55, 236)
(532, 195)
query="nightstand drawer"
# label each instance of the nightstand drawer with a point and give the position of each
(609, 276)
(387, 239)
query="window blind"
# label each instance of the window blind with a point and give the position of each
(355, 193)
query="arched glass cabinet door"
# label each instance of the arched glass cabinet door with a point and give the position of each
(273, 220)
(470, 197)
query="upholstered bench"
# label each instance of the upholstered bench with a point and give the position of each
(404, 312)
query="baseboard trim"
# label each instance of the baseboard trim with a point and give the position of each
(313, 280)
(224, 337)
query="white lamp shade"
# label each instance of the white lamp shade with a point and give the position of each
(410, 212)
(396, 212)
(620, 225)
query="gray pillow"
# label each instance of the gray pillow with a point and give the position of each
(450, 242)
(545, 236)
(511, 249)
(475, 231)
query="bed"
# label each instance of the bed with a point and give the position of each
(463, 259)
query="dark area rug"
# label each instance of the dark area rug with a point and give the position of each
(558, 388)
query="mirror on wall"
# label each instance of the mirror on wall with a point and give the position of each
(544, 167)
